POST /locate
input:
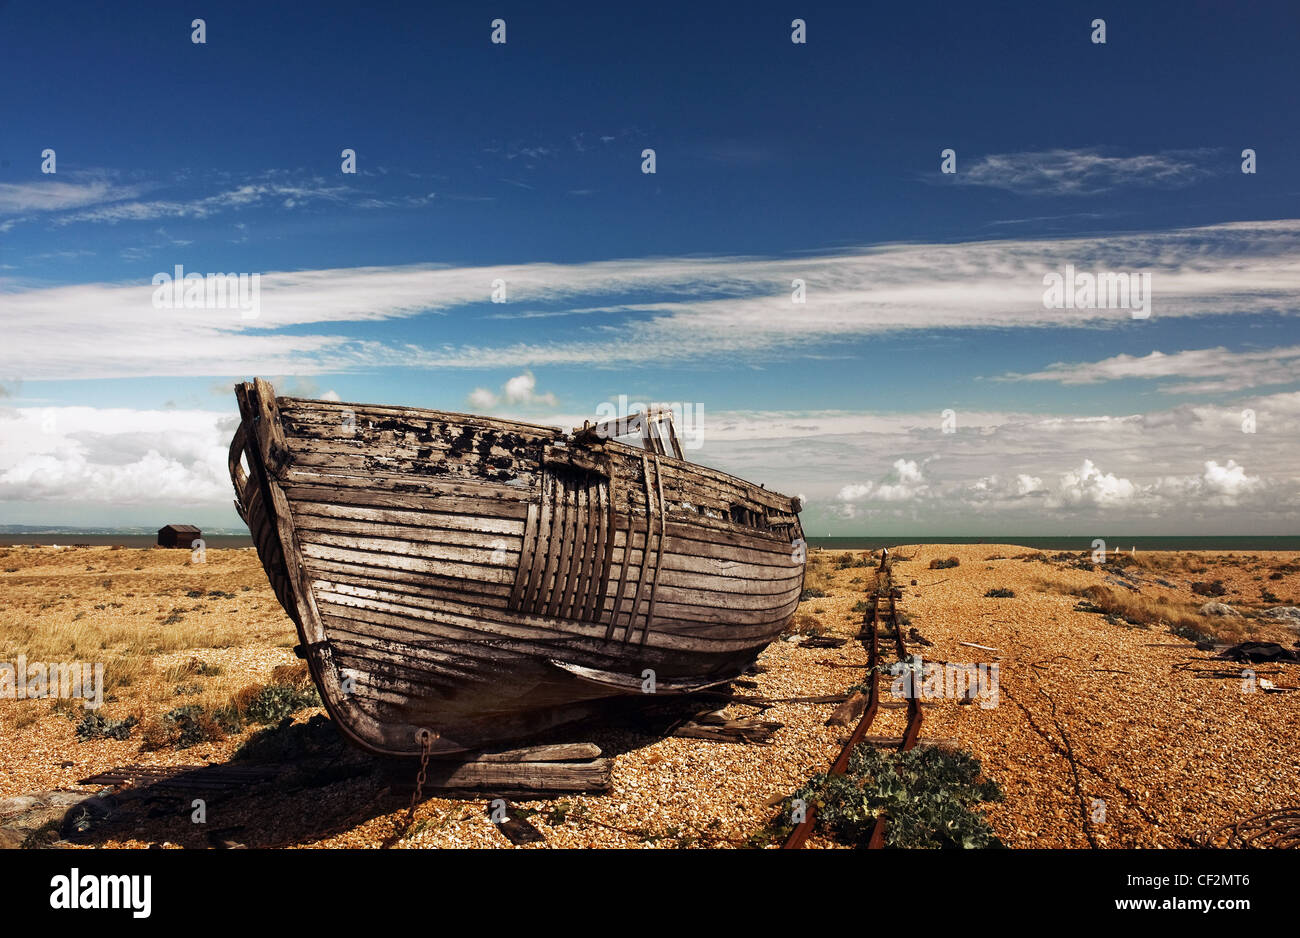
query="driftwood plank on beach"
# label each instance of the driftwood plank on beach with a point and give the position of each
(729, 731)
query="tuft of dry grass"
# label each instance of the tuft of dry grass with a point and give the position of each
(818, 574)
(127, 646)
(211, 719)
(1160, 561)
(155, 621)
(1180, 618)
(801, 623)
(295, 675)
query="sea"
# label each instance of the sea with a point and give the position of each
(1076, 543)
(1285, 542)
(78, 539)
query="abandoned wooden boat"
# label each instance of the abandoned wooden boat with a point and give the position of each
(487, 579)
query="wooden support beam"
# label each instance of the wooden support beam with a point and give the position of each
(561, 752)
(519, 776)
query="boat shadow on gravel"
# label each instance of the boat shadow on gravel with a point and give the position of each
(299, 783)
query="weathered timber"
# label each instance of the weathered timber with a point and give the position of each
(593, 776)
(488, 579)
(730, 731)
(849, 711)
(560, 752)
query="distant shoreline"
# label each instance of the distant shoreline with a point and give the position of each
(1281, 542)
(73, 539)
(1077, 542)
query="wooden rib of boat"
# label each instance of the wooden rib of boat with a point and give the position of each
(488, 579)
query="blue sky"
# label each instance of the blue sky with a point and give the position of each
(522, 161)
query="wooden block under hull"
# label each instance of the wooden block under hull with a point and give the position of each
(503, 777)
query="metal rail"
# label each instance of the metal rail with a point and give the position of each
(870, 636)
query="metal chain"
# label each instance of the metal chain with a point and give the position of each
(426, 737)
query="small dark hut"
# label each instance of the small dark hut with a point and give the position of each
(178, 535)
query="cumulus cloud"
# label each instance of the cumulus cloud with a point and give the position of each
(1186, 469)
(1088, 485)
(1230, 479)
(903, 482)
(1088, 491)
(1028, 473)
(1027, 484)
(482, 399)
(114, 456)
(998, 486)
(521, 390)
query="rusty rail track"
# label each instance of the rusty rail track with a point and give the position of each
(870, 636)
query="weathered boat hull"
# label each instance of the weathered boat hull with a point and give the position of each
(487, 579)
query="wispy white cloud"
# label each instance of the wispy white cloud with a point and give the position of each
(95, 197)
(734, 308)
(53, 194)
(241, 197)
(1211, 370)
(1083, 171)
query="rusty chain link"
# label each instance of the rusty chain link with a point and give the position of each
(426, 737)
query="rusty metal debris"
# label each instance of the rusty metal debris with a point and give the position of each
(513, 823)
(1275, 829)
(1256, 652)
